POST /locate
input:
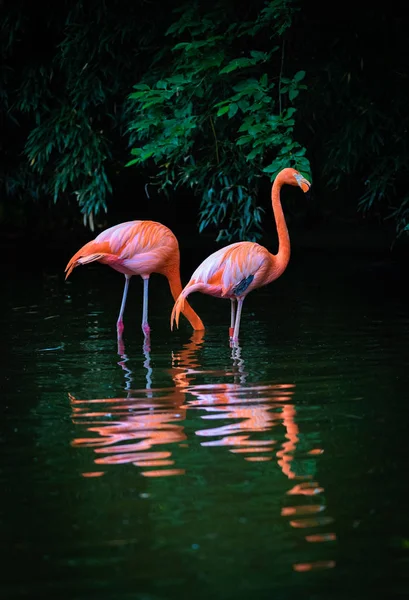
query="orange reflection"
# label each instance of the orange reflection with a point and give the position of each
(129, 430)
(307, 488)
(250, 411)
(321, 537)
(286, 453)
(257, 423)
(93, 474)
(314, 522)
(313, 566)
(308, 515)
(302, 510)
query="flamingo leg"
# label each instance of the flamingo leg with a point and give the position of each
(145, 325)
(238, 317)
(233, 315)
(120, 322)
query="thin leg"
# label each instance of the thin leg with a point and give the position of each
(233, 314)
(238, 317)
(145, 325)
(120, 322)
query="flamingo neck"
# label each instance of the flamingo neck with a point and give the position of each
(281, 259)
(175, 284)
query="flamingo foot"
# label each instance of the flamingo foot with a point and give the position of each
(121, 345)
(119, 327)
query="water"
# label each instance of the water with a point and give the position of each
(195, 470)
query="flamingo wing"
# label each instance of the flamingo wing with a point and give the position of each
(227, 273)
(135, 237)
(133, 247)
(232, 270)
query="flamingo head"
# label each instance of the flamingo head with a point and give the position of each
(292, 177)
(302, 182)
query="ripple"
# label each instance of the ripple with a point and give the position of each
(314, 566)
(272, 452)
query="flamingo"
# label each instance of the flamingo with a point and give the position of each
(234, 271)
(137, 248)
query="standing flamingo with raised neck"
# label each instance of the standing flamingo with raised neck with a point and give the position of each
(138, 248)
(234, 271)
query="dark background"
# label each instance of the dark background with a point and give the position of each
(353, 56)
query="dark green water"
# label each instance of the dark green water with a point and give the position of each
(273, 471)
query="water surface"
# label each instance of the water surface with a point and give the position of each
(192, 469)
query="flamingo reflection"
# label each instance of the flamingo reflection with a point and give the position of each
(128, 429)
(248, 410)
(139, 428)
(146, 349)
(257, 423)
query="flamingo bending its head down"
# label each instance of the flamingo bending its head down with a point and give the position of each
(138, 248)
(234, 271)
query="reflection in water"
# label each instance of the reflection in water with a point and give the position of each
(247, 410)
(163, 537)
(256, 422)
(131, 429)
(146, 349)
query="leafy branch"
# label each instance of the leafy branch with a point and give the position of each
(208, 119)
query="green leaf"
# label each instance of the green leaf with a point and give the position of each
(289, 112)
(136, 95)
(152, 102)
(272, 168)
(244, 139)
(223, 110)
(244, 105)
(141, 86)
(259, 56)
(249, 85)
(253, 154)
(182, 46)
(238, 63)
(299, 76)
(292, 94)
(233, 108)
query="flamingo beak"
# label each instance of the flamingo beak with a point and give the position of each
(305, 186)
(303, 183)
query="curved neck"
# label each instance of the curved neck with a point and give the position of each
(173, 275)
(280, 260)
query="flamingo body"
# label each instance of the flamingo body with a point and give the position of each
(223, 273)
(132, 248)
(234, 271)
(137, 248)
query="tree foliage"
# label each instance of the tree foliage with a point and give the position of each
(224, 95)
(215, 117)
(65, 80)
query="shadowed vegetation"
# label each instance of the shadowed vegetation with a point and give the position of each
(212, 98)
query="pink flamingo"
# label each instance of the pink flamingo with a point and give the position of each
(234, 271)
(138, 248)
